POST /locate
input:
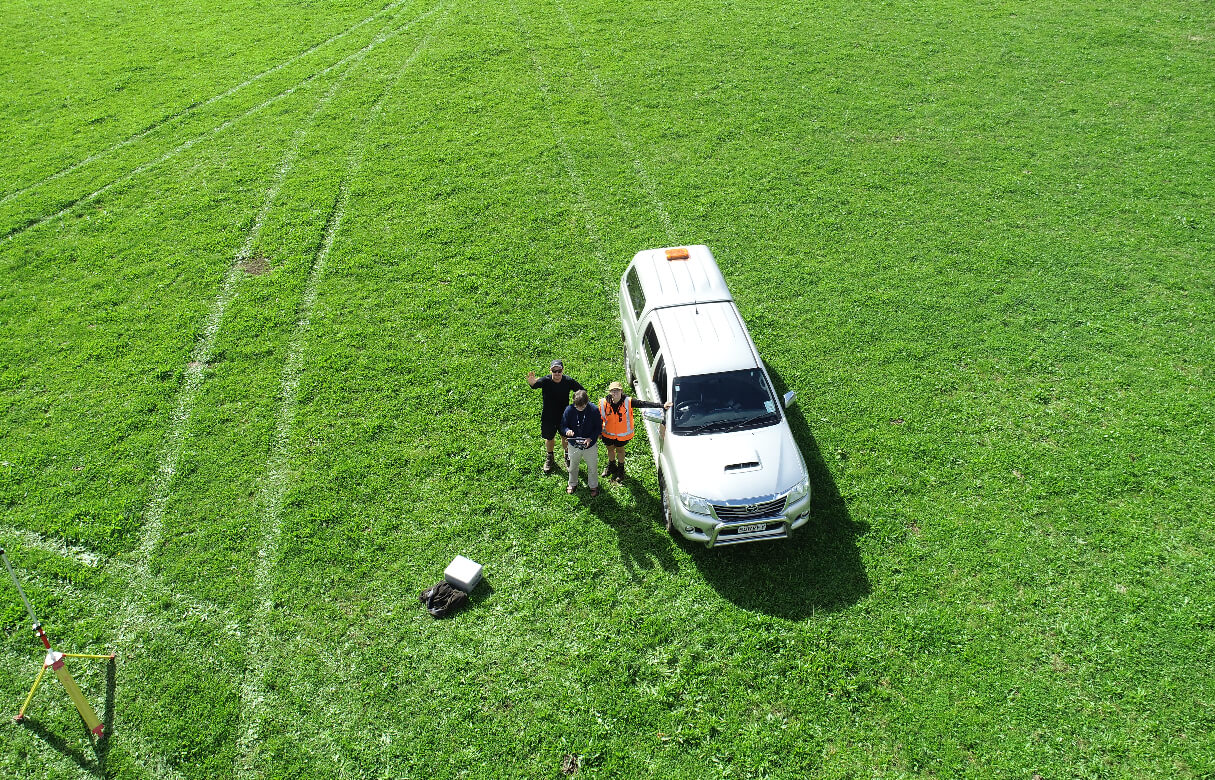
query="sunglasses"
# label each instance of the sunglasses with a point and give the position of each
(556, 371)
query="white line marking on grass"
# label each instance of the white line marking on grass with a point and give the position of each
(277, 467)
(639, 168)
(35, 222)
(567, 158)
(56, 546)
(141, 580)
(101, 604)
(204, 610)
(197, 106)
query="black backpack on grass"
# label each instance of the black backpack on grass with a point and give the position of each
(442, 600)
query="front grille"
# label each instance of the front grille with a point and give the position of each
(735, 512)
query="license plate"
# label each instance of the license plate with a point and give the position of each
(754, 528)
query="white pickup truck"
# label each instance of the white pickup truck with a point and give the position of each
(728, 468)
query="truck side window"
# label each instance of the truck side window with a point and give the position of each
(636, 296)
(650, 339)
(660, 380)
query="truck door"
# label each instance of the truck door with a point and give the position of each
(660, 387)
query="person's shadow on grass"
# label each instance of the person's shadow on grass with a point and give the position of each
(642, 544)
(819, 569)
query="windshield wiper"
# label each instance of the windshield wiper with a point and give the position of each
(726, 425)
(703, 427)
(749, 420)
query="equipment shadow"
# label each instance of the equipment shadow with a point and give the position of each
(72, 749)
(642, 545)
(481, 593)
(818, 570)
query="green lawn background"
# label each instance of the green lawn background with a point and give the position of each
(974, 240)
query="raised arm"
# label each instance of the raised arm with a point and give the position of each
(640, 403)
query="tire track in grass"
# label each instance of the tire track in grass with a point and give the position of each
(205, 609)
(253, 693)
(643, 175)
(567, 157)
(56, 546)
(142, 582)
(379, 39)
(182, 114)
(179, 419)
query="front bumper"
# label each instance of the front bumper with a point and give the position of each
(713, 531)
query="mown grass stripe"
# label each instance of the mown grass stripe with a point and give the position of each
(196, 106)
(643, 175)
(277, 477)
(379, 39)
(567, 158)
(56, 546)
(179, 420)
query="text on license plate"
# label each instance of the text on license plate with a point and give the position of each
(754, 528)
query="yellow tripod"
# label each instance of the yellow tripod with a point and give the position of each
(54, 661)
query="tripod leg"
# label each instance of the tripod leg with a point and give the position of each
(82, 704)
(26, 703)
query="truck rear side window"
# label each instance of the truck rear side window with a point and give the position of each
(636, 296)
(650, 340)
(660, 380)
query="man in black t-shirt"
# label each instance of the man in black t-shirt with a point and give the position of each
(555, 390)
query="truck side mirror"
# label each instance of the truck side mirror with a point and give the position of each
(653, 415)
(789, 398)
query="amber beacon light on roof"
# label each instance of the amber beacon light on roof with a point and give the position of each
(679, 253)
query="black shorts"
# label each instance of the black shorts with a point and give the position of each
(549, 426)
(610, 442)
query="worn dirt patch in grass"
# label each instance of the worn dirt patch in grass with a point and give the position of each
(257, 265)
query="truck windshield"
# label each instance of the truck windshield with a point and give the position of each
(730, 401)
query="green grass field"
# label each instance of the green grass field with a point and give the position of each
(272, 275)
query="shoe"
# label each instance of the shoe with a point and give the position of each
(620, 471)
(549, 463)
(569, 489)
(594, 492)
(608, 470)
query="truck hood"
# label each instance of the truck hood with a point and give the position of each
(739, 464)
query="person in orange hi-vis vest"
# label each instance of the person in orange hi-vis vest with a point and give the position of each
(617, 411)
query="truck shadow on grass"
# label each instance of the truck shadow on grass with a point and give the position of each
(818, 570)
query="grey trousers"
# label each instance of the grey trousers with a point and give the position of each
(591, 456)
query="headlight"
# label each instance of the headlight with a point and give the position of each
(800, 490)
(695, 503)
